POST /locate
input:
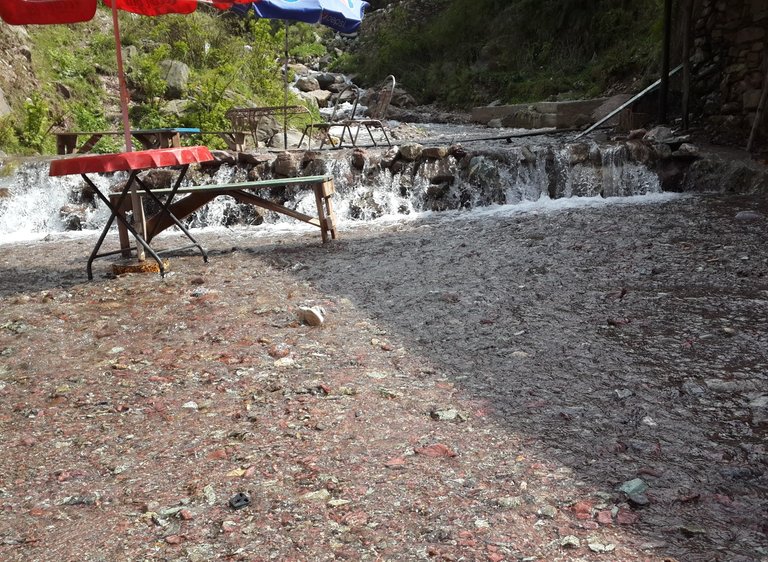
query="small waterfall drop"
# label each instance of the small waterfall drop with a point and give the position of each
(32, 204)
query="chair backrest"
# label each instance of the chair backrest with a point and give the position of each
(381, 100)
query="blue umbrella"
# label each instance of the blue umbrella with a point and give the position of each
(344, 16)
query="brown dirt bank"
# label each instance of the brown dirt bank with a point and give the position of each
(480, 390)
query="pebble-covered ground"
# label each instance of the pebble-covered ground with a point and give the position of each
(584, 384)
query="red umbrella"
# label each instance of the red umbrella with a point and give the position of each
(24, 12)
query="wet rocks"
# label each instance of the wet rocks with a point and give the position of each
(748, 216)
(411, 151)
(759, 408)
(286, 165)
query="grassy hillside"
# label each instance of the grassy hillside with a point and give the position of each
(72, 82)
(461, 53)
(455, 53)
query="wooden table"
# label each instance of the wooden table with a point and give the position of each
(250, 118)
(134, 162)
(67, 141)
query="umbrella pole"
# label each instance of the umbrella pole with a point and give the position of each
(138, 209)
(285, 91)
(121, 80)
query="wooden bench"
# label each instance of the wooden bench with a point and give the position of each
(199, 195)
(67, 141)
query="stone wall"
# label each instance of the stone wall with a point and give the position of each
(730, 61)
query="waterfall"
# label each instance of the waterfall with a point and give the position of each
(32, 204)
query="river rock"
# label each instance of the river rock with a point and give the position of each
(411, 151)
(633, 487)
(748, 216)
(286, 165)
(359, 157)
(321, 97)
(311, 316)
(658, 134)
(307, 84)
(326, 80)
(434, 152)
(759, 407)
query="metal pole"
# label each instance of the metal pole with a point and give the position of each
(121, 80)
(664, 88)
(138, 209)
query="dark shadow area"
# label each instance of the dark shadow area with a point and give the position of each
(624, 341)
(47, 265)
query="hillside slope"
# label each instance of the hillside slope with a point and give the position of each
(451, 53)
(458, 53)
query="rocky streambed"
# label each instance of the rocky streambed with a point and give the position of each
(414, 176)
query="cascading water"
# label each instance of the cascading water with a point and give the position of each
(32, 204)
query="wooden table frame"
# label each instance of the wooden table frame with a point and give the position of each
(198, 196)
(250, 118)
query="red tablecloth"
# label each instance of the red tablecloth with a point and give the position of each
(128, 161)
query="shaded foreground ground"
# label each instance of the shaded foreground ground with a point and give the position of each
(480, 391)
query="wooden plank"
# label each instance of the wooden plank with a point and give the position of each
(198, 196)
(302, 182)
(181, 209)
(267, 204)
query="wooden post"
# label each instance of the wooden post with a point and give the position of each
(664, 87)
(687, 36)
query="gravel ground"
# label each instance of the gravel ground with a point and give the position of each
(581, 384)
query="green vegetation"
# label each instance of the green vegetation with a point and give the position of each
(234, 62)
(514, 50)
(455, 53)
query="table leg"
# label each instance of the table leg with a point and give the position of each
(66, 143)
(116, 214)
(89, 144)
(165, 211)
(148, 141)
(323, 192)
(235, 140)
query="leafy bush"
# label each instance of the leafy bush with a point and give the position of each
(36, 124)
(9, 142)
(89, 116)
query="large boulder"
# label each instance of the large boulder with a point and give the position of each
(307, 84)
(176, 75)
(286, 165)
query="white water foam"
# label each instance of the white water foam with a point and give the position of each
(517, 176)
